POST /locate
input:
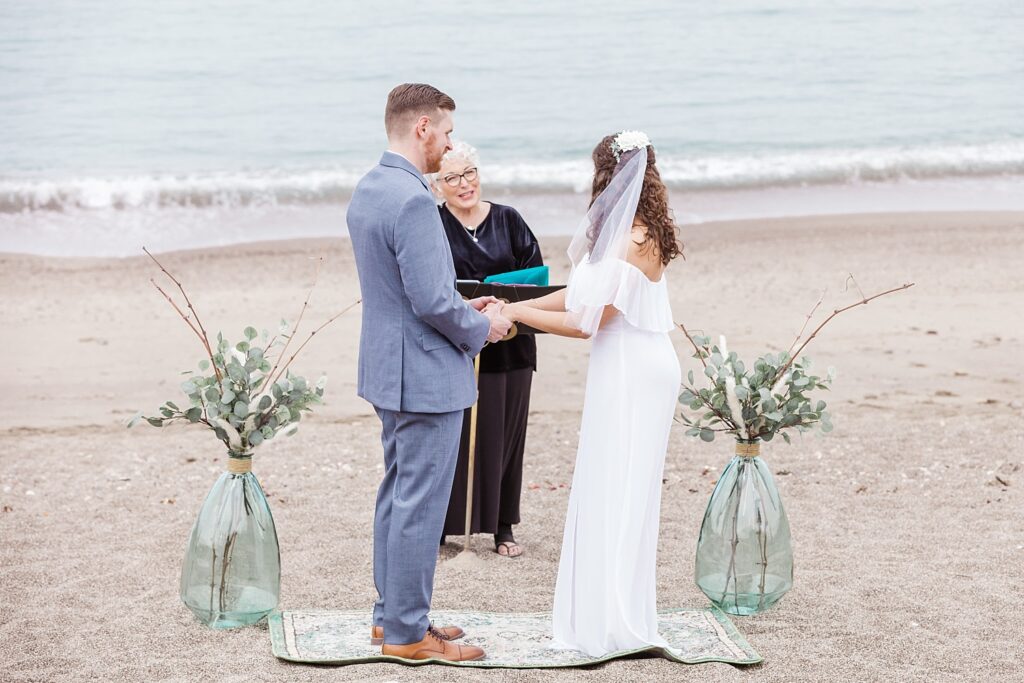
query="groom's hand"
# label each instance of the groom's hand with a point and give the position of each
(481, 302)
(500, 325)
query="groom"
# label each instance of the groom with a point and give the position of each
(415, 366)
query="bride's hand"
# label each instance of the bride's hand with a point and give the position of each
(482, 302)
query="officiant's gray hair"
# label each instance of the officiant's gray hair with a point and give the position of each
(462, 150)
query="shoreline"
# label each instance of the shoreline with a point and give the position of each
(826, 221)
(122, 232)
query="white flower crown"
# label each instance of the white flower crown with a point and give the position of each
(627, 140)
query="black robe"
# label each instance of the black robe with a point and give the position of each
(504, 243)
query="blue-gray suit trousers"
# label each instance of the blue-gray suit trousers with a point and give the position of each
(420, 452)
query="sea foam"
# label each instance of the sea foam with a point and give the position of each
(299, 186)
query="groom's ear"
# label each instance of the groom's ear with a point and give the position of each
(422, 129)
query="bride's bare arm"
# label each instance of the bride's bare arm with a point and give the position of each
(555, 301)
(552, 322)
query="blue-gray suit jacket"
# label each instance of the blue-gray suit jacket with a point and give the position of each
(419, 336)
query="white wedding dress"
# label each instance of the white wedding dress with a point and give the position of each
(605, 593)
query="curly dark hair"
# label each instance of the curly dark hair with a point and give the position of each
(653, 209)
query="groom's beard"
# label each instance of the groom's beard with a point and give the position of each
(432, 158)
(433, 163)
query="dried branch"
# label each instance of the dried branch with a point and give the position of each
(850, 278)
(202, 331)
(272, 380)
(188, 322)
(305, 304)
(836, 312)
(806, 321)
(696, 348)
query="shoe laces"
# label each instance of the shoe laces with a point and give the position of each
(440, 637)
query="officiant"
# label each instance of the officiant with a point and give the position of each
(487, 239)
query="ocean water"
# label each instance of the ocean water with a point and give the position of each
(211, 122)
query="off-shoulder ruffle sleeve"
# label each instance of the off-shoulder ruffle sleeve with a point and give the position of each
(612, 281)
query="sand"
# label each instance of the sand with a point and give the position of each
(908, 520)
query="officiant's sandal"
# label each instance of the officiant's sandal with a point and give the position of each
(505, 543)
(447, 632)
(511, 548)
(434, 646)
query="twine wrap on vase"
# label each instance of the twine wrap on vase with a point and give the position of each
(240, 464)
(748, 450)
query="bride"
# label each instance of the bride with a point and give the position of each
(617, 295)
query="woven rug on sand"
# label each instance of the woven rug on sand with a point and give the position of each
(514, 641)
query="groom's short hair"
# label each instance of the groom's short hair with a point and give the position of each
(413, 100)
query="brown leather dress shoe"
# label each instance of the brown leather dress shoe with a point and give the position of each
(448, 632)
(434, 646)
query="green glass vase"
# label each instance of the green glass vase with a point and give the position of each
(231, 575)
(744, 554)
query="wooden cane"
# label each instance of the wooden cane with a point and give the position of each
(472, 453)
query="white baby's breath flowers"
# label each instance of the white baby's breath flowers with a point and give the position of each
(627, 140)
(734, 406)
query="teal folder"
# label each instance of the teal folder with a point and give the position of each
(529, 276)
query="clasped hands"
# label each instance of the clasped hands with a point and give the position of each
(493, 308)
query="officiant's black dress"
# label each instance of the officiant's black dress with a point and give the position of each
(504, 243)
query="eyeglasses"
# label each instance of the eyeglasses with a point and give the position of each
(455, 179)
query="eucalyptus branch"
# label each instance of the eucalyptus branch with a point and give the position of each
(203, 336)
(836, 312)
(305, 304)
(759, 411)
(700, 354)
(330, 320)
(710, 406)
(721, 416)
(238, 413)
